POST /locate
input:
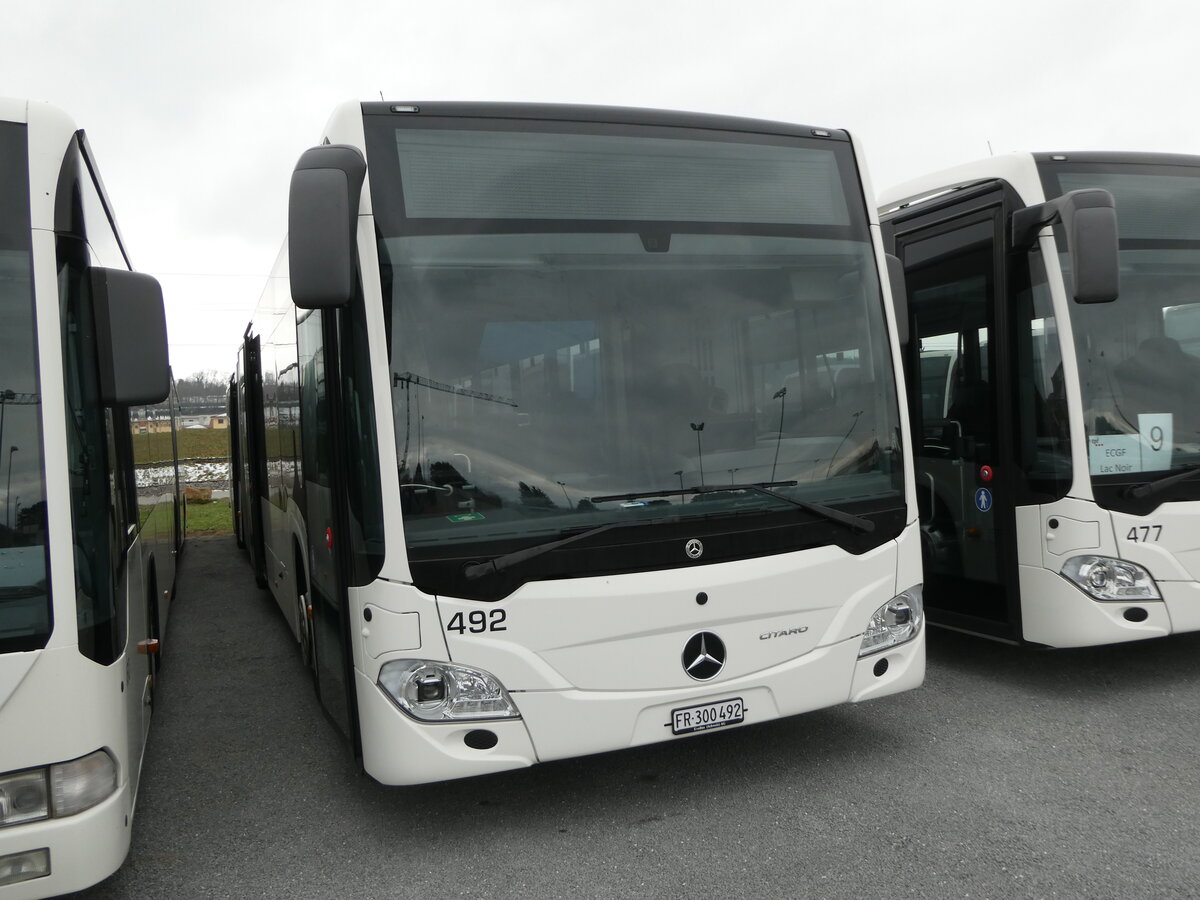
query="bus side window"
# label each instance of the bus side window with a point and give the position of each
(99, 453)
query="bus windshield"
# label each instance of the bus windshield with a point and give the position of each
(1139, 357)
(587, 322)
(25, 617)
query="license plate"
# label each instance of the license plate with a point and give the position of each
(707, 715)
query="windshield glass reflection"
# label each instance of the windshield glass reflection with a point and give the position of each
(24, 593)
(584, 311)
(1139, 357)
(528, 381)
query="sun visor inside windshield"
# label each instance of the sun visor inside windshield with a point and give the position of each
(511, 175)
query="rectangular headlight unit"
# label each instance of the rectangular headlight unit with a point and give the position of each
(63, 789)
(24, 797)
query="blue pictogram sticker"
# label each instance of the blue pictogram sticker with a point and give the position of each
(983, 499)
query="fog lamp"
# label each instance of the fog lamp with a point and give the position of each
(25, 866)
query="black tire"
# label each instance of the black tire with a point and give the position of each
(304, 612)
(307, 649)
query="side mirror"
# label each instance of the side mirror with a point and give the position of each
(1090, 220)
(131, 337)
(322, 217)
(895, 270)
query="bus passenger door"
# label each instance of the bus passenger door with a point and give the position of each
(323, 499)
(954, 266)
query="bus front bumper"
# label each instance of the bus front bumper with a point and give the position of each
(1056, 613)
(81, 850)
(560, 724)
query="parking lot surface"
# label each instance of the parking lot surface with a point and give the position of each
(1011, 773)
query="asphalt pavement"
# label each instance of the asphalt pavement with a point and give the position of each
(1012, 773)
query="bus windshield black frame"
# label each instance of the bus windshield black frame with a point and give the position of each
(590, 303)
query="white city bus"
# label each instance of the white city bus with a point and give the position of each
(90, 511)
(1055, 392)
(564, 429)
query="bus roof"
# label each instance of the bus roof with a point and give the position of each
(1020, 170)
(583, 113)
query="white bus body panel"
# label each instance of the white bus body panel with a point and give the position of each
(1168, 546)
(1056, 613)
(84, 849)
(55, 704)
(595, 664)
(60, 686)
(592, 663)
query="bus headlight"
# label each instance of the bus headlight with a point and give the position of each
(82, 783)
(444, 692)
(24, 797)
(63, 789)
(897, 621)
(1105, 578)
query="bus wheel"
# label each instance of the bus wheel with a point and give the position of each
(304, 611)
(939, 549)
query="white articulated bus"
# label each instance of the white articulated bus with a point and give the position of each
(90, 511)
(566, 429)
(1054, 387)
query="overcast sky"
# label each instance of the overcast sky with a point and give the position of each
(198, 111)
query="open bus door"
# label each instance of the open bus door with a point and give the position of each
(955, 273)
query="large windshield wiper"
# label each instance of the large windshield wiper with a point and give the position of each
(508, 560)
(1154, 488)
(761, 487)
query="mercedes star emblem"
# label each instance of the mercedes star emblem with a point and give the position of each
(694, 549)
(704, 656)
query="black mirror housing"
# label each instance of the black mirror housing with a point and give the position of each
(322, 218)
(131, 337)
(1090, 219)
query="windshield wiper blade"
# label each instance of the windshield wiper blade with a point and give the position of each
(1153, 488)
(762, 487)
(827, 512)
(707, 489)
(508, 560)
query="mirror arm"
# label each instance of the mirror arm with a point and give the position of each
(1027, 223)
